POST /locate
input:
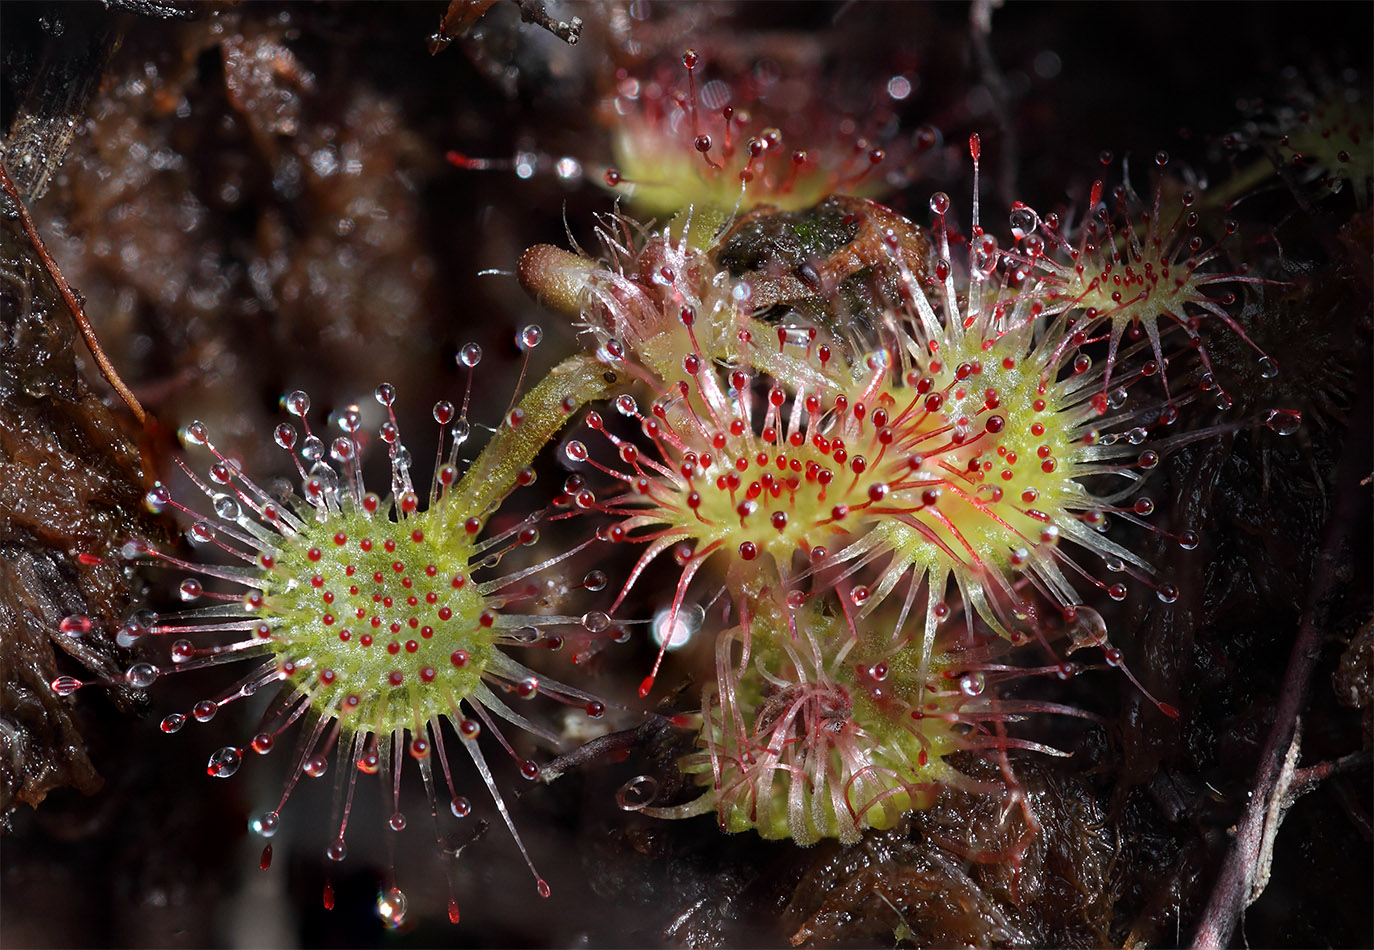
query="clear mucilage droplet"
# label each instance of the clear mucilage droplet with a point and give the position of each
(1087, 629)
(224, 762)
(265, 824)
(983, 258)
(1023, 221)
(1284, 421)
(141, 675)
(76, 624)
(972, 684)
(391, 907)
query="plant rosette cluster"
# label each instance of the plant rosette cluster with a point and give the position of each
(1135, 269)
(739, 142)
(387, 624)
(1319, 135)
(818, 725)
(954, 445)
(869, 439)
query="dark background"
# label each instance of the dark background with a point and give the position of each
(213, 305)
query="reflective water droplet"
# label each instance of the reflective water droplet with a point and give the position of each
(391, 907)
(530, 337)
(173, 723)
(1268, 368)
(612, 351)
(859, 596)
(939, 202)
(1284, 421)
(190, 589)
(1224, 401)
(595, 580)
(625, 405)
(397, 822)
(195, 433)
(460, 807)
(567, 168)
(65, 685)
(336, 851)
(972, 684)
(134, 629)
(350, 420)
(342, 449)
(265, 824)
(297, 403)
(227, 508)
(984, 257)
(470, 355)
(1023, 221)
(158, 497)
(595, 621)
(76, 624)
(141, 675)
(312, 449)
(385, 394)
(224, 762)
(677, 630)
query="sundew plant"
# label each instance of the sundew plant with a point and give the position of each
(823, 503)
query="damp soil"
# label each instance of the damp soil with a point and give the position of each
(253, 198)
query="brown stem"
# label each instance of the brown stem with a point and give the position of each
(1245, 866)
(1305, 780)
(78, 312)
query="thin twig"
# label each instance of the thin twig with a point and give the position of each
(78, 312)
(1305, 780)
(1245, 869)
